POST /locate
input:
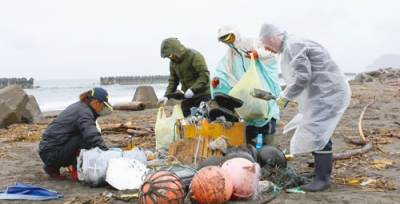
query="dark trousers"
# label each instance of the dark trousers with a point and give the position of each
(328, 146)
(64, 156)
(269, 128)
(253, 131)
(188, 103)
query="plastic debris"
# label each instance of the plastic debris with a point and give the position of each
(295, 190)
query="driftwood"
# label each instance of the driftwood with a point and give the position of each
(367, 144)
(361, 119)
(134, 105)
(349, 153)
(121, 127)
(354, 141)
(127, 127)
(138, 132)
(390, 135)
(268, 199)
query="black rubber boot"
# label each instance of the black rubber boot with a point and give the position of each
(323, 170)
(217, 112)
(227, 101)
(310, 174)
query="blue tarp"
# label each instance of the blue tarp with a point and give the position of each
(22, 191)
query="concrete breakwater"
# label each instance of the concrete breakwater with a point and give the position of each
(127, 80)
(22, 82)
(155, 79)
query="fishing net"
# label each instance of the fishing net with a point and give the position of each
(282, 177)
(162, 187)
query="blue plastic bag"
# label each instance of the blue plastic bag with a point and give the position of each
(22, 191)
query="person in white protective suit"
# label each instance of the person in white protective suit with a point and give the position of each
(322, 93)
(234, 65)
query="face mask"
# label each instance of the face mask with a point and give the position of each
(105, 111)
(231, 45)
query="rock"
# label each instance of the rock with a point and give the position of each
(375, 74)
(369, 79)
(13, 100)
(358, 78)
(32, 113)
(383, 74)
(146, 94)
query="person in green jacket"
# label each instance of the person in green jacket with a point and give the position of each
(187, 67)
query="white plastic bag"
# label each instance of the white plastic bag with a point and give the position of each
(164, 129)
(125, 173)
(92, 165)
(252, 108)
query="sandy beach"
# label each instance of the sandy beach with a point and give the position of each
(373, 177)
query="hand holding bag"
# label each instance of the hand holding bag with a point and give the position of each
(252, 108)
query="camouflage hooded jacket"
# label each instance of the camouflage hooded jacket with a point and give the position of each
(191, 69)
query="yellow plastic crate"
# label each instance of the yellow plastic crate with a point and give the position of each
(185, 149)
(236, 133)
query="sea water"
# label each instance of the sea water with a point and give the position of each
(55, 95)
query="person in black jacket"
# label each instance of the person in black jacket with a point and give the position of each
(72, 130)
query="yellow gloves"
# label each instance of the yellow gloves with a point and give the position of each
(282, 101)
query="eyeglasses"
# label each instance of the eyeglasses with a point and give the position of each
(225, 37)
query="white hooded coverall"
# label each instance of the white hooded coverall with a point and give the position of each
(315, 82)
(234, 65)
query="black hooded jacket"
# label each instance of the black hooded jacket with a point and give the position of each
(77, 120)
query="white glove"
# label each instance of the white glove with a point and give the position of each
(163, 100)
(189, 93)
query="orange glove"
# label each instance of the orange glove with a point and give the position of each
(255, 54)
(215, 82)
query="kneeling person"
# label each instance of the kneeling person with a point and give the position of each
(72, 130)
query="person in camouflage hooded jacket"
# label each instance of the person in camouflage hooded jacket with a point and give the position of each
(187, 67)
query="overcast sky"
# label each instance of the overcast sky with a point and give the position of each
(90, 39)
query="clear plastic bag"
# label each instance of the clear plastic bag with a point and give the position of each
(252, 107)
(164, 129)
(137, 154)
(92, 165)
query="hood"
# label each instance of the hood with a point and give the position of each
(271, 36)
(230, 28)
(172, 46)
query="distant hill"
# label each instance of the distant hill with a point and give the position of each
(385, 61)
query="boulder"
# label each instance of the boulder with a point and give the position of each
(374, 74)
(13, 100)
(32, 113)
(146, 94)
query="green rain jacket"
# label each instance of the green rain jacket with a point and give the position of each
(191, 69)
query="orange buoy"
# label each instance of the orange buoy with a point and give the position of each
(161, 187)
(205, 121)
(211, 184)
(244, 175)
